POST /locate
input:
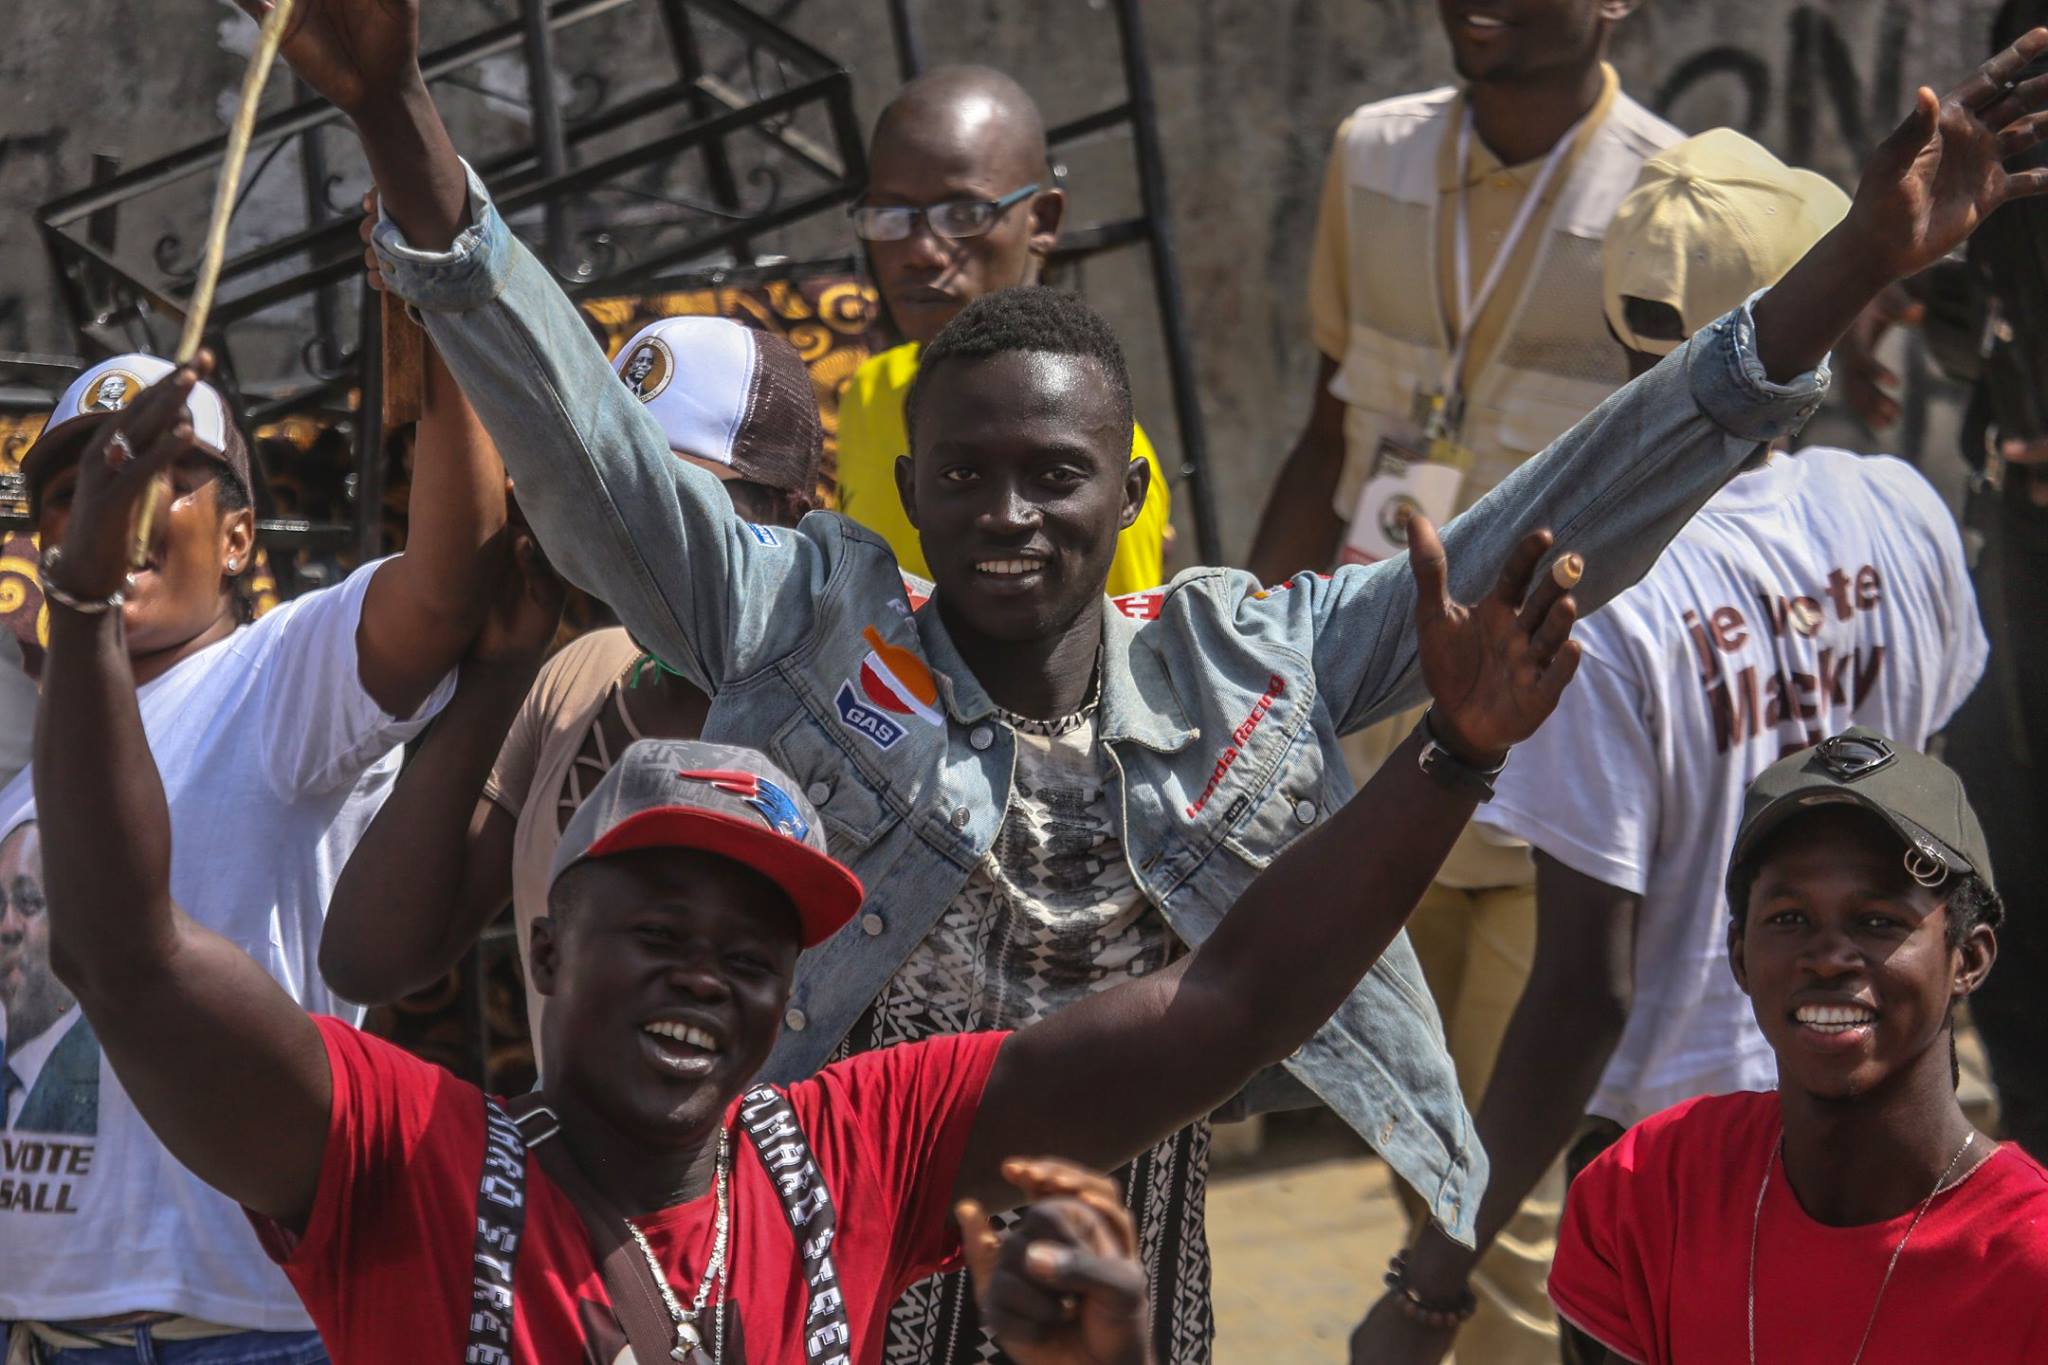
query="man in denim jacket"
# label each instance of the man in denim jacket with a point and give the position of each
(1217, 703)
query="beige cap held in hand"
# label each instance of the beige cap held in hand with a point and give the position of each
(1711, 220)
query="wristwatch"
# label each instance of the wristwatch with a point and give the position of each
(1446, 767)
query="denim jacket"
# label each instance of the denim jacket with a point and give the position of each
(1222, 701)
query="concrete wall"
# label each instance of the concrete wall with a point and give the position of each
(1249, 93)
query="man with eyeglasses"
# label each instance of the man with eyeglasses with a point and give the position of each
(959, 204)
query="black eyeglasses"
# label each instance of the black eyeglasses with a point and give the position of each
(954, 219)
(1849, 757)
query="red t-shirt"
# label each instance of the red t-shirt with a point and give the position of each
(385, 1264)
(1653, 1255)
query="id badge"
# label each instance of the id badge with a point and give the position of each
(1402, 483)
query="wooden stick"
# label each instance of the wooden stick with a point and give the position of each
(405, 362)
(240, 131)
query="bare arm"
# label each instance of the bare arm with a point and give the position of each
(1565, 1028)
(225, 1067)
(1925, 189)
(423, 607)
(1300, 531)
(435, 866)
(1111, 1075)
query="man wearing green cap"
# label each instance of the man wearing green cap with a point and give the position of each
(1854, 1214)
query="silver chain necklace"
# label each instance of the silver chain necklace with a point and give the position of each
(1756, 1222)
(689, 1339)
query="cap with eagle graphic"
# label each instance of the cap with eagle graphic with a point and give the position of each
(715, 798)
(109, 387)
(735, 397)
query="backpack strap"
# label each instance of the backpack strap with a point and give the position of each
(779, 1141)
(628, 1282)
(500, 1222)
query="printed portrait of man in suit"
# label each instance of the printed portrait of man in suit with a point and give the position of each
(49, 1058)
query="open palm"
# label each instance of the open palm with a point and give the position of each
(351, 51)
(1496, 668)
(1941, 173)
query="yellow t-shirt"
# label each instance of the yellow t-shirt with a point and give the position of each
(873, 436)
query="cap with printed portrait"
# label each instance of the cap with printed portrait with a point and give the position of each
(108, 388)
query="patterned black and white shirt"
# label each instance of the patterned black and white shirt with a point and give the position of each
(1051, 915)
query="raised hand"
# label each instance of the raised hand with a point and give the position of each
(116, 471)
(355, 52)
(1065, 1287)
(1494, 669)
(1941, 172)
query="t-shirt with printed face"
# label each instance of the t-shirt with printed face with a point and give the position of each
(1653, 1257)
(274, 760)
(1823, 590)
(386, 1262)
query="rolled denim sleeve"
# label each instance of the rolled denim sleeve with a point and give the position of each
(619, 516)
(1615, 488)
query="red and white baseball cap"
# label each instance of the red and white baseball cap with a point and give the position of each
(107, 388)
(736, 397)
(717, 798)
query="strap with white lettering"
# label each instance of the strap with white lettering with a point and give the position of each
(780, 1143)
(1470, 305)
(500, 1222)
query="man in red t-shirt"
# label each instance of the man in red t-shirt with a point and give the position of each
(1854, 1215)
(681, 894)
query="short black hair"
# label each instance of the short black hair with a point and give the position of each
(1030, 317)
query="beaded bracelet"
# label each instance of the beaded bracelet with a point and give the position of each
(1417, 1309)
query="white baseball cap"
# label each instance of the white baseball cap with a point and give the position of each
(737, 397)
(1711, 220)
(109, 387)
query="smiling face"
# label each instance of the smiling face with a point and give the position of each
(1847, 960)
(30, 995)
(1020, 480)
(960, 133)
(666, 973)
(183, 588)
(1514, 40)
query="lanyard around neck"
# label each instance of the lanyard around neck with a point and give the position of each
(1470, 305)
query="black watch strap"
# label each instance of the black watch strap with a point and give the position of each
(1446, 767)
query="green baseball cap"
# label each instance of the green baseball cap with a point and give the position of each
(1920, 798)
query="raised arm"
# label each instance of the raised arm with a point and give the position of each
(1619, 485)
(1105, 1078)
(435, 866)
(225, 1068)
(423, 607)
(617, 514)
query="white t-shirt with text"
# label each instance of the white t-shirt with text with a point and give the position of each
(274, 760)
(1824, 590)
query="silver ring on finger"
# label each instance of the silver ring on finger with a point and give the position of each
(119, 452)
